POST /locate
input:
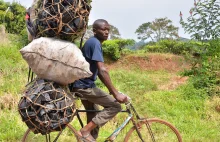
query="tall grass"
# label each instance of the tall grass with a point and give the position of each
(187, 108)
(13, 70)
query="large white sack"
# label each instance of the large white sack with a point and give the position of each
(56, 60)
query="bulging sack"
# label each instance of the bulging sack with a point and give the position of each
(46, 106)
(56, 60)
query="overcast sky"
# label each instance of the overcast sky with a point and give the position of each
(128, 15)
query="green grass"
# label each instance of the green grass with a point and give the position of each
(126, 81)
(13, 70)
(190, 110)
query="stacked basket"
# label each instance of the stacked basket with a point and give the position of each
(47, 106)
(64, 19)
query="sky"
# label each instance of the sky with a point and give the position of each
(128, 15)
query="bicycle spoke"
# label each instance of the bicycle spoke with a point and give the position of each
(67, 135)
(162, 132)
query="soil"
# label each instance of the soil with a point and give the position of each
(8, 101)
(154, 62)
(3, 35)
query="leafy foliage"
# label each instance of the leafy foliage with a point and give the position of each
(204, 20)
(113, 48)
(12, 15)
(203, 24)
(174, 46)
(206, 70)
(114, 33)
(157, 30)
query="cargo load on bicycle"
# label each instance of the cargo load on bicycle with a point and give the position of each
(47, 105)
(56, 60)
(63, 19)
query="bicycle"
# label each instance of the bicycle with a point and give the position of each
(142, 130)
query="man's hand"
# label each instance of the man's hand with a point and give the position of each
(121, 98)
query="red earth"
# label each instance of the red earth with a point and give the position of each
(154, 62)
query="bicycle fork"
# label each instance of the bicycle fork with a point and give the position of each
(138, 127)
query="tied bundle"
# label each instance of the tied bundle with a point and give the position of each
(64, 19)
(46, 107)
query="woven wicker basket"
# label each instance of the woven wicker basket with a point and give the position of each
(65, 19)
(46, 107)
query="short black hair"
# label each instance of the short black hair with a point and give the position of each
(97, 23)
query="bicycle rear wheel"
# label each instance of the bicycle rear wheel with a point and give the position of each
(67, 135)
(162, 131)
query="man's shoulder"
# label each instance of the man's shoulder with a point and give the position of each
(92, 40)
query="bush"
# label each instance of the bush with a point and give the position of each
(114, 48)
(206, 70)
(176, 47)
(154, 48)
(127, 51)
(111, 49)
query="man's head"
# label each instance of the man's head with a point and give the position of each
(101, 29)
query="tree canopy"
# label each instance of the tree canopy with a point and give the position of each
(12, 16)
(161, 28)
(204, 20)
(114, 33)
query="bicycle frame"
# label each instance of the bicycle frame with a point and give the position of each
(131, 113)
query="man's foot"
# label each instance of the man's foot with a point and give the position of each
(86, 137)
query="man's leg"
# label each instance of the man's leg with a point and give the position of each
(97, 96)
(90, 115)
(111, 106)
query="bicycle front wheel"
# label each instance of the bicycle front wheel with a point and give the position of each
(161, 130)
(67, 135)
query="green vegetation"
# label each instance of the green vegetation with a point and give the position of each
(187, 107)
(160, 28)
(13, 70)
(174, 46)
(192, 106)
(12, 16)
(203, 23)
(114, 48)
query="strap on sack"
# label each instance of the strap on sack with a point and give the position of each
(30, 75)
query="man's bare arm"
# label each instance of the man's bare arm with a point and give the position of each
(105, 78)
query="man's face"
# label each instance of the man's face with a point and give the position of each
(102, 31)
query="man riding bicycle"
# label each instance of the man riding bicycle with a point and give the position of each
(86, 88)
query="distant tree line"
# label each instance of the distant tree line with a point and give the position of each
(159, 29)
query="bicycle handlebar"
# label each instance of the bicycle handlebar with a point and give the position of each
(129, 99)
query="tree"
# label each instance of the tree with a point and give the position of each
(12, 16)
(89, 33)
(123, 43)
(113, 33)
(158, 29)
(204, 20)
(204, 25)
